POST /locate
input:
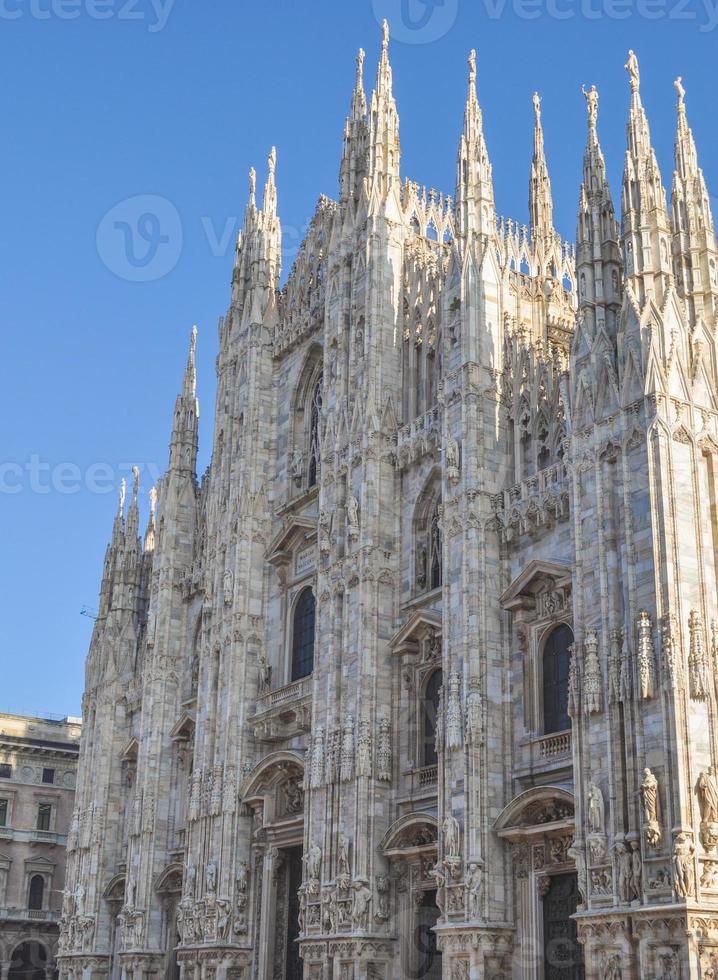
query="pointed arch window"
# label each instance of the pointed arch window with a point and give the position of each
(556, 662)
(303, 628)
(315, 410)
(429, 718)
(36, 893)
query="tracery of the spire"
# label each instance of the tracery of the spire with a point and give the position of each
(595, 184)
(695, 256)
(384, 149)
(540, 200)
(269, 203)
(133, 511)
(183, 444)
(645, 227)
(474, 183)
(358, 95)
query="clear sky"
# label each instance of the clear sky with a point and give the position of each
(108, 105)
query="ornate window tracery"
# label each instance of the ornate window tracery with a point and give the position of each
(315, 410)
(430, 712)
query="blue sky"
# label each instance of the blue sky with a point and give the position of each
(110, 104)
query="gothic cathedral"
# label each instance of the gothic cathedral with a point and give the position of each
(420, 679)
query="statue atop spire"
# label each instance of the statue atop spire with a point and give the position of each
(385, 36)
(537, 108)
(269, 203)
(634, 73)
(123, 494)
(252, 187)
(591, 97)
(678, 86)
(474, 183)
(472, 66)
(135, 483)
(384, 150)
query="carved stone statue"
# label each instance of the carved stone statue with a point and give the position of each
(265, 674)
(296, 467)
(707, 789)
(228, 587)
(591, 97)
(624, 871)
(595, 809)
(473, 881)
(313, 861)
(636, 869)
(634, 74)
(360, 904)
(684, 877)
(649, 798)
(452, 836)
(353, 516)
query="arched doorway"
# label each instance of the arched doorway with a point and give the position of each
(28, 962)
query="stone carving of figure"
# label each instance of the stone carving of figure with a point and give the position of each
(223, 916)
(592, 684)
(211, 877)
(190, 880)
(680, 90)
(265, 674)
(353, 515)
(452, 835)
(707, 788)
(347, 753)
(80, 899)
(382, 887)
(683, 867)
(325, 525)
(130, 892)
(313, 861)
(473, 715)
(242, 876)
(595, 809)
(343, 855)
(228, 587)
(440, 878)
(649, 798)
(296, 466)
(624, 870)
(636, 869)
(612, 968)
(634, 74)
(360, 905)
(473, 890)
(452, 459)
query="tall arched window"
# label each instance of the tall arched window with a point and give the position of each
(556, 660)
(36, 892)
(315, 414)
(303, 635)
(430, 713)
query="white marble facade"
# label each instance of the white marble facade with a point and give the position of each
(420, 679)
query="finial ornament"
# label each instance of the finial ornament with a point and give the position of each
(193, 339)
(472, 65)
(385, 35)
(591, 97)
(272, 161)
(361, 55)
(153, 502)
(252, 182)
(634, 74)
(678, 86)
(135, 481)
(123, 493)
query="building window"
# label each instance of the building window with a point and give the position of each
(435, 550)
(556, 660)
(48, 775)
(36, 892)
(429, 717)
(44, 816)
(5, 770)
(3, 813)
(303, 635)
(429, 542)
(314, 433)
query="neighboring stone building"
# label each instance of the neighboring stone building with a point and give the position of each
(38, 768)
(428, 657)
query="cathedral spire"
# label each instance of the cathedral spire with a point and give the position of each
(384, 149)
(695, 257)
(183, 444)
(540, 201)
(359, 96)
(644, 227)
(353, 165)
(474, 183)
(598, 257)
(269, 203)
(149, 545)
